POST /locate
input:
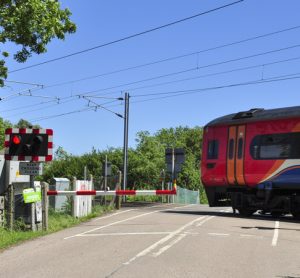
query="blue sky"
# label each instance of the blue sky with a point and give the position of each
(99, 22)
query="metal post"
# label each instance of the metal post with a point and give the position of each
(125, 148)
(105, 178)
(118, 187)
(173, 173)
(85, 173)
(105, 174)
(162, 176)
(173, 165)
(32, 214)
(74, 199)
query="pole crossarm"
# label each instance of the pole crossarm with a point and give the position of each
(112, 192)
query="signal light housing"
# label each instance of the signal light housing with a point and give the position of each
(25, 144)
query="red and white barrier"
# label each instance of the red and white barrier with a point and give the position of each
(112, 192)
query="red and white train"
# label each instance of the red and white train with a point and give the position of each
(251, 160)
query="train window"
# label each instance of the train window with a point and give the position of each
(240, 148)
(276, 146)
(231, 147)
(213, 149)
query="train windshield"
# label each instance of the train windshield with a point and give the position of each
(276, 146)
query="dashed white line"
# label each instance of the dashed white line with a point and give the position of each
(163, 240)
(219, 234)
(111, 215)
(276, 233)
(205, 220)
(165, 248)
(126, 234)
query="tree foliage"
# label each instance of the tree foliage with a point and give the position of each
(31, 24)
(3, 125)
(145, 162)
(26, 124)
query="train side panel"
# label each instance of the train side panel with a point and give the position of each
(213, 163)
(272, 152)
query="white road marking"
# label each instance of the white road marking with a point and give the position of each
(127, 234)
(165, 239)
(165, 248)
(276, 233)
(218, 234)
(207, 219)
(250, 236)
(111, 215)
(121, 221)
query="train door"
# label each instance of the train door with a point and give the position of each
(235, 155)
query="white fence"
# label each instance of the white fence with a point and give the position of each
(82, 205)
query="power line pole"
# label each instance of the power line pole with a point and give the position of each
(125, 148)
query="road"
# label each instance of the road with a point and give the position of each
(162, 240)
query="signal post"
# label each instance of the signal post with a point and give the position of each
(34, 146)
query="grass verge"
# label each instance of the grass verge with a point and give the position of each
(57, 222)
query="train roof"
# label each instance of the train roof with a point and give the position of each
(257, 114)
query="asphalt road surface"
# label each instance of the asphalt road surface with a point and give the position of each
(162, 240)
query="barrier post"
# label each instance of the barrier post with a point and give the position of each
(10, 214)
(45, 205)
(118, 187)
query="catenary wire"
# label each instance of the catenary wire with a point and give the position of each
(193, 69)
(253, 82)
(205, 75)
(159, 84)
(129, 37)
(180, 93)
(174, 58)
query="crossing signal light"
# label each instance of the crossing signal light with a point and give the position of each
(28, 144)
(16, 139)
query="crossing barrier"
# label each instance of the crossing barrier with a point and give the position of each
(112, 192)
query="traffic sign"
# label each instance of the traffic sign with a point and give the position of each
(32, 196)
(31, 168)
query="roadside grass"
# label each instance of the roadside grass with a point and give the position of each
(57, 221)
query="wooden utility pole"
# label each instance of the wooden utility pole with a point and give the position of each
(45, 205)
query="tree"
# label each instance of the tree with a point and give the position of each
(26, 124)
(3, 125)
(31, 24)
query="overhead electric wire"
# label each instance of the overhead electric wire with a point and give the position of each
(91, 108)
(253, 82)
(102, 107)
(41, 108)
(207, 75)
(24, 83)
(153, 85)
(168, 59)
(184, 92)
(139, 81)
(191, 69)
(62, 114)
(174, 58)
(30, 105)
(17, 93)
(130, 37)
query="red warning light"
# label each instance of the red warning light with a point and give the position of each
(16, 140)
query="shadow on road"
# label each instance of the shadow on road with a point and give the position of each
(269, 228)
(287, 219)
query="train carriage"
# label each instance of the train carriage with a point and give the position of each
(251, 160)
